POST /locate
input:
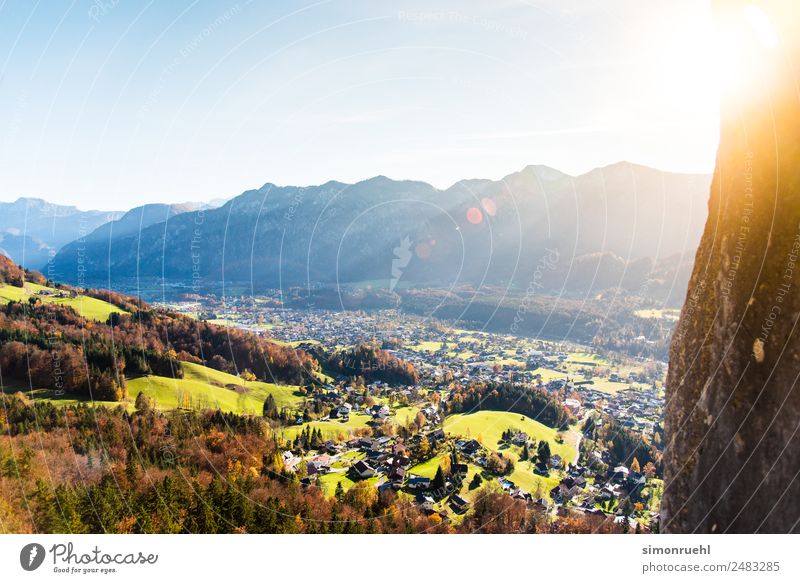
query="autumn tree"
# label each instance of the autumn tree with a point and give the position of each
(143, 403)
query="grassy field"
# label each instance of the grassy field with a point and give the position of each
(655, 490)
(548, 374)
(222, 322)
(322, 377)
(204, 387)
(431, 346)
(201, 387)
(90, 308)
(488, 427)
(428, 469)
(49, 395)
(404, 415)
(357, 420)
(328, 483)
(330, 430)
(465, 492)
(425, 346)
(509, 362)
(524, 478)
(606, 386)
(587, 358)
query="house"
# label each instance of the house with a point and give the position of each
(520, 494)
(470, 447)
(637, 477)
(435, 436)
(506, 484)
(289, 460)
(377, 456)
(459, 470)
(401, 461)
(330, 447)
(317, 467)
(379, 412)
(342, 412)
(556, 461)
(425, 502)
(363, 470)
(397, 475)
(366, 443)
(620, 474)
(458, 504)
(520, 438)
(568, 488)
(418, 482)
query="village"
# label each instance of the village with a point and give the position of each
(351, 433)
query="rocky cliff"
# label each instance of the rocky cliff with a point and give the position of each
(733, 405)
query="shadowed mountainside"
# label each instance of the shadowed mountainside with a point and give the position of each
(389, 232)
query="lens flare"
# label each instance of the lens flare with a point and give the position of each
(475, 216)
(489, 206)
(423, 250)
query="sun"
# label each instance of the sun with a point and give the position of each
(743, 49)
(762, 26)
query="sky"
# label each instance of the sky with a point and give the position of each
(110, 104)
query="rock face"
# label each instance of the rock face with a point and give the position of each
(733, 404)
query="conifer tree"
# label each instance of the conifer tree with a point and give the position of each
(438, 480)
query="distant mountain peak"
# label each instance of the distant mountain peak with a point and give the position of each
(546, 173)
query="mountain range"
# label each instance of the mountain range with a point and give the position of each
(621, 226)
(31, 229)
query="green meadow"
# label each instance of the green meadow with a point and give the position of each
(89, 308)
(488, 427)
(201, 388)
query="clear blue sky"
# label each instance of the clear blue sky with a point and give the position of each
(114, 103)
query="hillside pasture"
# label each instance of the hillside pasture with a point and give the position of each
(89, 308)
(488, 427)
(204, 387)
(330, 430)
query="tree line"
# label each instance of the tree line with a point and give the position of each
(369, 361)
(523, 399)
